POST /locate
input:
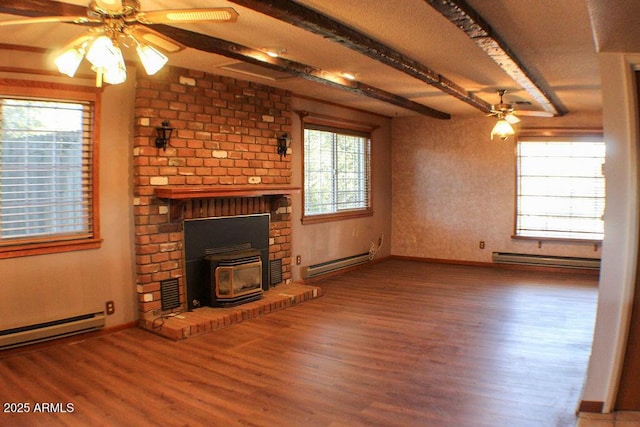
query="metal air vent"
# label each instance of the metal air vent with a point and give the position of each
(256, 71)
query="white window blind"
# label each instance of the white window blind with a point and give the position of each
(336, 171)
(46, 187)
(560, 188)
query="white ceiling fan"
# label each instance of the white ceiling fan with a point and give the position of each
(508, 116)
(112, 22)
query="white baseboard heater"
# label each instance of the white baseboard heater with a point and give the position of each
(335, 265)
(32, 334)
(546, 261)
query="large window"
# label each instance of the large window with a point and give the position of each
(336, 173)
(560, 188)
(47, 179)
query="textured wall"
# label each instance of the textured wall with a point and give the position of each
(453, 187)
(326, 241)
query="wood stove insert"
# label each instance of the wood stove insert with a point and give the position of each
(207, 238)
(236, 277)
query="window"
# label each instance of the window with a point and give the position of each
(47, 171)
(336, 173)
(560, 188)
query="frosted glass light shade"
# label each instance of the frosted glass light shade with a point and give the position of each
(503, 129)
(116, 73)
(69, 61)
(103, 53)
(151, 58)
(512, 118)
(107, 61)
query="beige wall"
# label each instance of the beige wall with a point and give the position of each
(316, 243)
(620, 248)
(41, 288)
(454, 187)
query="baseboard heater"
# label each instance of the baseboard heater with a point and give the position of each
(32, 334)
(335, 265)
(546, 261)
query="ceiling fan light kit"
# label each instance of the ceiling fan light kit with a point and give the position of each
(507, 117)
(122, 22)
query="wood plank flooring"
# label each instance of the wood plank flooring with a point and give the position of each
(399, 343)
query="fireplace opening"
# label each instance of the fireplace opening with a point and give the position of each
(236, 277)
(239, 247)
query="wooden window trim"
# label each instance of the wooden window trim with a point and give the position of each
(549, 132)
(349, 126)
(64, 92)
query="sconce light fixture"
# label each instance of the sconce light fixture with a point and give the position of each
(164, 135)
(284, 141)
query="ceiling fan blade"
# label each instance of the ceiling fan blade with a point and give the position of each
(534, 113)
(49, 19)
(175, 16)
(155, 39)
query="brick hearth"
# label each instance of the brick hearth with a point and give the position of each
(207, 319)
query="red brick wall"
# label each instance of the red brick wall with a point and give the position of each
(225, 134)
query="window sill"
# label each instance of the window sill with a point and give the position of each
(339, 216)
(22, 250)
(559, 240)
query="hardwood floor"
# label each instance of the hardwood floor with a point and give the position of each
(397, 343)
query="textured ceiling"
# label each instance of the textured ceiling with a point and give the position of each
(554, 39)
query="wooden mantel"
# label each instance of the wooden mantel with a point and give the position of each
(179, 196)
(206, 192)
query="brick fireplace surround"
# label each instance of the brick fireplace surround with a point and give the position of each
(224, 149)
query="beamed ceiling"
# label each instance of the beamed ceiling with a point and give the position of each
(436, 58)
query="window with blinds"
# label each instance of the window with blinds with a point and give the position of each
(560, 188)
(337, 171)
(46, 171)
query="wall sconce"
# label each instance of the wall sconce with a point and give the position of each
(284, 141)
(164, 135)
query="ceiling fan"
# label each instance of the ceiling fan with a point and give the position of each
(508, 116)
(112, 22)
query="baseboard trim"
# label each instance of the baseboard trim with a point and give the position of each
(520, 267)
(591, 406)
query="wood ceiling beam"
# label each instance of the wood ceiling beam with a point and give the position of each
(229, 49)
(310, 20)
(477, 29)
(38, 8)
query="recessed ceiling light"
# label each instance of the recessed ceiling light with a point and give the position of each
(349, 76)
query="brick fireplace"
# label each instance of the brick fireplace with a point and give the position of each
(221, 161)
